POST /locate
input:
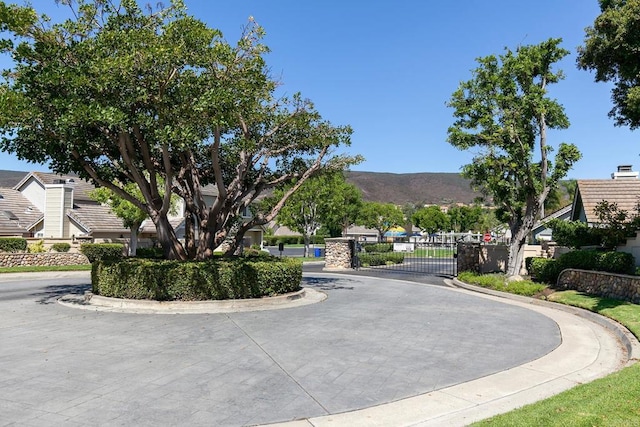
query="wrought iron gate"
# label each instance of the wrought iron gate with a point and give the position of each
(431, 258)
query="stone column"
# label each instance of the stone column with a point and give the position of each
(468, 257)
(338, 254)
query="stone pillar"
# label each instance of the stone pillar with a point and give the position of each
(338, 254)
(469, 257)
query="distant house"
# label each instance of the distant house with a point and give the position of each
(623, 189)
(51, 206)
(541, 232)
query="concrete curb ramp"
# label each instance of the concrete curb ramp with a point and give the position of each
(588, 351)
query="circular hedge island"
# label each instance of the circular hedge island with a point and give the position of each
(214, 279)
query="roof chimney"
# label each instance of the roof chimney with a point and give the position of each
(625, 172)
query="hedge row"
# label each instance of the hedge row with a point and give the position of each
(214, 279)
(383, 258)
(13, 244)
(548, 270)
(291, 240)
(377, 247)
(102, 251)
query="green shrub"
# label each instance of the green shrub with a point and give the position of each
(498, 282)
(102, 251)
(616, 262)
(291, 240)
(36, 248)
(377, 247)
(255, 253)
(383, 258)
(167, 280)
(545, 270)
(584, 260)
(156, 253)
(13, 244)
(61, 247)
(528, 261)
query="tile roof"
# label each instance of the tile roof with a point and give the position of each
(96, 218)
(14, 205)
(624, 192)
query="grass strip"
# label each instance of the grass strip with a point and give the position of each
(611, 401)
(39, 268)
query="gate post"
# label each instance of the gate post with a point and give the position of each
(338, 253)
(468, 257)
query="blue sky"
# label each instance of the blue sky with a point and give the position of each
(387, 68)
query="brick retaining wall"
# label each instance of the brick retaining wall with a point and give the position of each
(608, 285)
(45, 258)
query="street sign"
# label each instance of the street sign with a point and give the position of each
(487, 237)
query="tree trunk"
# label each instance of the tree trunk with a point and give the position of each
(171, 246)
(516, 254)
(307, 240)
(133, 239)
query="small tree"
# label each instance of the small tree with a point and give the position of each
(431, 219)
(382, 217)
(323, 201)
(464, 218)
(504, 112)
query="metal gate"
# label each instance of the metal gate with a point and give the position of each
(430, 258)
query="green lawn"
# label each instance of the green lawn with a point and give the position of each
(38, 268)
(612, 401)
(433, 252)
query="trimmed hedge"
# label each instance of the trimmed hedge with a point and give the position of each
(382, 258)
(13, 244)
(377, 247)
(548, 270)
(215, 279)
(61, 247)
(102, 251)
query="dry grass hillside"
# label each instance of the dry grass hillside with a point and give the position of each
(417, 188)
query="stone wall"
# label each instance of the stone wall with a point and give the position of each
(338, 253)
(481, 258)
(45, 258)
(608, 285)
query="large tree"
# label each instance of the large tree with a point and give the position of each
(611, 49)
(119, 94)
(381, 217)
(504, 112)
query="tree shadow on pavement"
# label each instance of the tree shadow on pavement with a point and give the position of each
(50, 294)
(326, 284)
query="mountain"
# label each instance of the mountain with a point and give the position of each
(418, 188)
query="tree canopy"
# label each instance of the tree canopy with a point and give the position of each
(381, 217)
(119, 94)
(430, 219)
(504, 112)
(611, 50)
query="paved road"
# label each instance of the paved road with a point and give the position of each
(372, 341)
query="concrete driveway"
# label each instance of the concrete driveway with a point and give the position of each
(372, 344)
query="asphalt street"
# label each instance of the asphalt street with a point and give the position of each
(374, 340)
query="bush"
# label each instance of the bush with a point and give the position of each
(528, 261)
(13, 244)
(377, 247)
(548, 270)
(153, 253)
(61, 247)
(383, 258)
(617, 262)
(291, 240)
(544, 270)
(102, 251)
(169, 280)
(36, 248)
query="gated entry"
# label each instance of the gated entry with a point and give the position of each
(418, 258)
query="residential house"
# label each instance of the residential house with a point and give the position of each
(542, 233)
(51, 206)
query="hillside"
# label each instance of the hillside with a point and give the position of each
(418, 188)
